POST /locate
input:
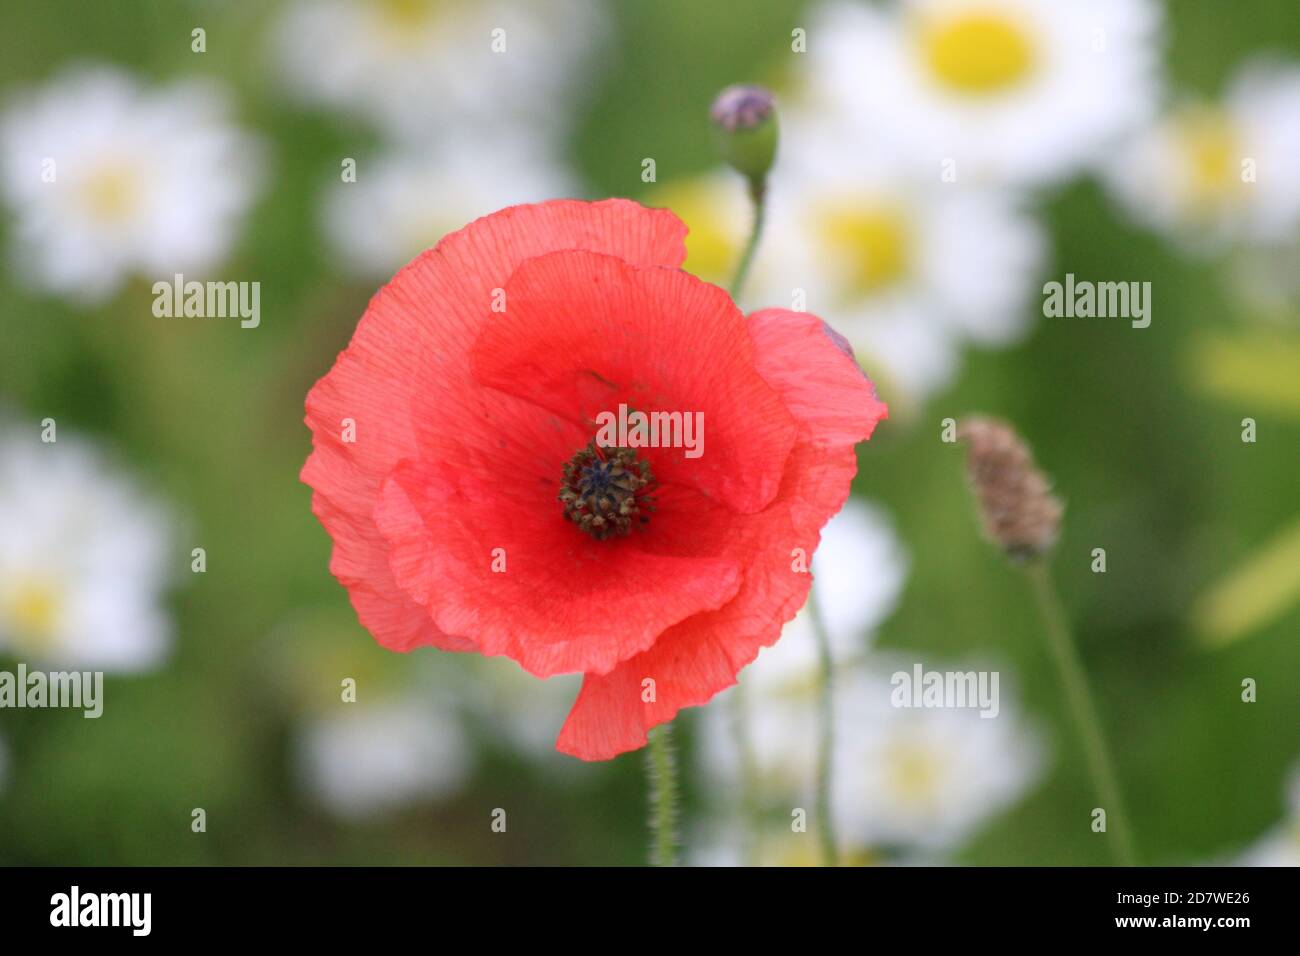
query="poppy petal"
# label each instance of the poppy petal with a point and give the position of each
(586, 333)
(410, 353)
(836, 407)
(508, 569)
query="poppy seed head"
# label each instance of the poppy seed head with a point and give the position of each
(605, 491)
(1020, 513)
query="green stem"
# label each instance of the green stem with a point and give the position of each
(661, 768)
(750, 806)
(1080, 699)
(826, 741)
(757, 193)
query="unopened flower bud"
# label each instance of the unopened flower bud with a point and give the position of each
(744, 120)
(1020, 513)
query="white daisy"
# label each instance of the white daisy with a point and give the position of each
(1024, 91)
(413, 66)
(923, 779)
(1281, 845)
(504, 705)
(714, 844)
(83, 559)
(859, 569)
(1211, 173)
(525, 711)
(107, 178)
(401, 204)
(907, 270)
(368, 759)
(919, 357)
(858, 572)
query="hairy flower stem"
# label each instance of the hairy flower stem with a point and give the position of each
(758, 193)
(661, 769)
(1084, 711)
(826, 742)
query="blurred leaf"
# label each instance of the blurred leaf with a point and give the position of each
(1264, 586)
(1258, 369)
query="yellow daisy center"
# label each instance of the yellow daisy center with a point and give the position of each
(31, 610)
(977, 53)
(402, 24)
(1211, 154)
(111, 192)
(915, 773)
(871, 240)
(406, 12)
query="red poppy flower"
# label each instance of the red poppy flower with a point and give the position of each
(455, 465)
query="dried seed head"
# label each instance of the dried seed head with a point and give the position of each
(1021, 515)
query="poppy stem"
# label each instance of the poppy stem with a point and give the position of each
(661, 769)
(757, 193)
(826, 743)
(1070, 670)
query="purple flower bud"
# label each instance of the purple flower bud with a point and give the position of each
(742, 107)
(744, 121)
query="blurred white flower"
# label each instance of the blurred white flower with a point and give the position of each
(1024, 91)
(858, 573)
(1213, 173)
(858, 569)
(723, 845)
(404, 203)
(782, 732)
(413, 66)
(368, 759)
(107, 178)
(906, 358)
(83, 559)
(516, 710)
(923, 779)
(1281, 845)
(907, 270)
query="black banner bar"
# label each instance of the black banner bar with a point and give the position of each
(331, 904)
